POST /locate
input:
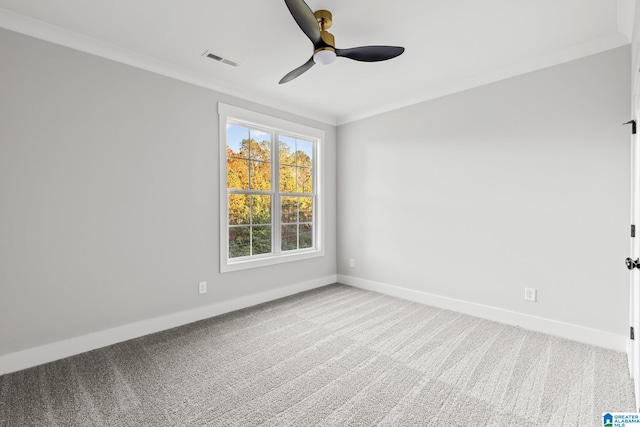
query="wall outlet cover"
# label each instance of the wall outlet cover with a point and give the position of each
(530, 294)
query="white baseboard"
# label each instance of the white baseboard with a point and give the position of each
(552, 327)
(58, 350)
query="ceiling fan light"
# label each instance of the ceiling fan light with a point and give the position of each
(324, 56)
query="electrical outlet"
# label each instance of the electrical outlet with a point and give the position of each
(352, 262)
(530, 294)
(202, 287)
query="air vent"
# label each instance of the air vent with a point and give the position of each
(211, 55)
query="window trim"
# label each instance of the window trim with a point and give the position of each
(262, 121)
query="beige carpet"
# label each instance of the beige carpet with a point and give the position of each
(334, 356)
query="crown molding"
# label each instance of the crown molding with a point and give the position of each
(58, 35)
(555, 58)
(63, 37)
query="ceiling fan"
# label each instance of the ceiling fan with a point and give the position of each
(315, 26)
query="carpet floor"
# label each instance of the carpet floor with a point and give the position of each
(333, 356)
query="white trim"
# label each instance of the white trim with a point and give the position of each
(635, 63)
(418, 96)
(630, 358)
(274, 124)
(634, 294)
(547, 326)
(70, 347)
(61, 36)
(25, 25)
(267, 121)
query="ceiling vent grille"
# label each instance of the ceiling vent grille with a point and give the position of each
(211, 55)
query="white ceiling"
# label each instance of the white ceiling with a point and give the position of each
(451, 45)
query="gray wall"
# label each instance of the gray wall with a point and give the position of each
(109, 196)
(477, 195)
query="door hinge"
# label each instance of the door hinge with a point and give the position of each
(633, 230)
(631, 334)
(633, 126)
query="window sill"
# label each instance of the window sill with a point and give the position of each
(244, 264)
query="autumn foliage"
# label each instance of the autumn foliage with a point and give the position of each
(250, 182)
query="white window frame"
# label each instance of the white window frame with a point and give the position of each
(228, 112)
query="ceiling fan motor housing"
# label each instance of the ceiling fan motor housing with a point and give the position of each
(325, 52)
(325, 21)
(328, 40)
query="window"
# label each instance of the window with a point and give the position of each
(270, 190)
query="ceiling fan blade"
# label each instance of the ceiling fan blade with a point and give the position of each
(298, 71)
(371, 53)
(305, 19)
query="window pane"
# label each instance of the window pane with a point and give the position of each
(289, 209)
(287, 147)
(239, 209)
(261, 210)
(237, 137)
(289, 237)
(304, 153)
(239, 241)
(306, 236)
(237, 174)
(261, 242)
(260, 145)
(305, 180)
(271, 190)
(260, 176)
(288, 179)
(306, 209)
